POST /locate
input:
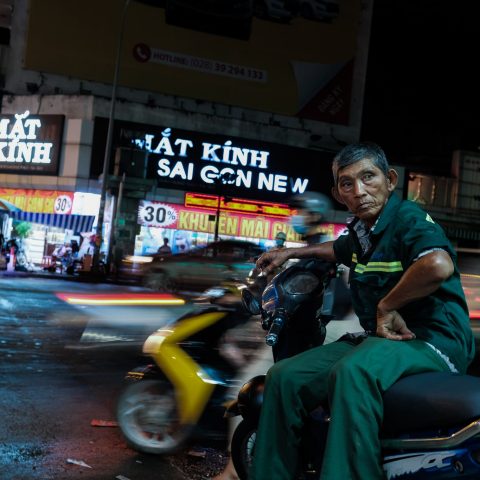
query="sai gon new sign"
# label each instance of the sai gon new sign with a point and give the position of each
(30, 143)
(227, 165)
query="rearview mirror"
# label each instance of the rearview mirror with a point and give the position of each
(250, 302)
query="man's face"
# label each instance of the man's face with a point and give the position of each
(364, 189)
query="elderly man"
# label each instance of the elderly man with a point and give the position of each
(407, 294)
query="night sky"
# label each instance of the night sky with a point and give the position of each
(422, 95)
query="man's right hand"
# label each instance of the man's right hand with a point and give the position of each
(273, 259)
(391, 325)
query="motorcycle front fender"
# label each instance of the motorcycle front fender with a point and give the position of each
(250, 398)
(193, 385)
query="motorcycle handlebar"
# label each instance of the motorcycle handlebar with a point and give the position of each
(275, 328)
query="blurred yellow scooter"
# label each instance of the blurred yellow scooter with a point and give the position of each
(174, 399)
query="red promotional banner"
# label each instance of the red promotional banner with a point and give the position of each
(179, 217)
(39, 201)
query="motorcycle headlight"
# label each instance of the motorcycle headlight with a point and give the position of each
(295, 288)
(301, 284)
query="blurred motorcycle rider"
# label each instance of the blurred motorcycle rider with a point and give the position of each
(313, 209)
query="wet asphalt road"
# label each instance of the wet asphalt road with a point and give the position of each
(50, 392)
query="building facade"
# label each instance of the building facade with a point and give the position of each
(213, 129)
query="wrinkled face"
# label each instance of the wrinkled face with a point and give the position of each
(364, 189)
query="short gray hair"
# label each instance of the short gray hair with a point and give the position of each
(356, 152)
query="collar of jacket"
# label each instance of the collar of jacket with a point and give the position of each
(386, 215)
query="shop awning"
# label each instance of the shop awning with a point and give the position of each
(77, 223)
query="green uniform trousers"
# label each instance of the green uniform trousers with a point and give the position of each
(353, 380)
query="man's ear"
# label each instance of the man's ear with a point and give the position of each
(392, 179)
(336, 196)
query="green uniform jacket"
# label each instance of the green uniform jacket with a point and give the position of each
(401, 233)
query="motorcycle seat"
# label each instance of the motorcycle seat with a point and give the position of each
(430, 401)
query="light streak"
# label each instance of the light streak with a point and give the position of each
(135, 299)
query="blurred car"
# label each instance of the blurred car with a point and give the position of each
(133, 268)
(197, 269)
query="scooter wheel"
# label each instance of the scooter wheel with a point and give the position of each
(243, 443)
(148, 418)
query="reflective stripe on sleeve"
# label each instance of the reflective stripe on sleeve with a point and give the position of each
(389, 267)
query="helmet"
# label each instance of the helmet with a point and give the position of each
(313, 208)
(313, 202)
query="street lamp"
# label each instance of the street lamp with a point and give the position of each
(108, 145)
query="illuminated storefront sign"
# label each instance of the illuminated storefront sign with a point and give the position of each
(180, 217)
(30, 143)
(231, 165)
(212, 163)
(240, 205)
(218, 164)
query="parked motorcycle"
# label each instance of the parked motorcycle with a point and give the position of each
(178, 396)
(431, 426)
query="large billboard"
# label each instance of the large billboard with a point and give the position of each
(295, 60)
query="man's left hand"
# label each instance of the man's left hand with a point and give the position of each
(391, 325)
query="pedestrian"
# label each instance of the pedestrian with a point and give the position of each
(12, 244)
(11, 249)
(280, 239)
(406, 291)
(165, 248)
(75, 247)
